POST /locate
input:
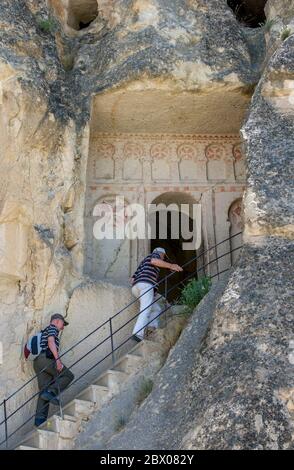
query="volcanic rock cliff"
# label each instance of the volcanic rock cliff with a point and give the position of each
(64, 67)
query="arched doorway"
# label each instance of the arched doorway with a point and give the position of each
(173, 227)
(236, 226)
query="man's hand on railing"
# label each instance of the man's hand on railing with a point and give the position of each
(160, 263)
(176, 268)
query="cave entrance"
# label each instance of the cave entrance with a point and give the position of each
(170, 228)
(249, 12)
(81, 13)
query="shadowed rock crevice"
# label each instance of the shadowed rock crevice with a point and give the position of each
(81, 13)
(249, 12)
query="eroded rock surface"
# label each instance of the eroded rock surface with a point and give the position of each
(52, 75)
(228, 383)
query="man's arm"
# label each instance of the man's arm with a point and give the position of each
(164, 264)
(53, 349)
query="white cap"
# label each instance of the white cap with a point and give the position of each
(159, 250)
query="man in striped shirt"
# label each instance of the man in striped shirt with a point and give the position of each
(144, 287)
(53, 376)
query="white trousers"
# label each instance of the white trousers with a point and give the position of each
(150, 312)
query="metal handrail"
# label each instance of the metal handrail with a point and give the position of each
(112, 333)
(116, 349)
(120, 311)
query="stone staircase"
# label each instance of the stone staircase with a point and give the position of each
(60, 432)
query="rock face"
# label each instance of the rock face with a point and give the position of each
(175, 40)
(60, 85)
(269, 199)
(237, 392)
(228, 383)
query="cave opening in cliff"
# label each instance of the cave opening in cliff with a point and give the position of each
(153, 147)
(169, 229)
(82, 13)
(249, 12)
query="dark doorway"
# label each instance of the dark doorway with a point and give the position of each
(175, 247)
(249, 12)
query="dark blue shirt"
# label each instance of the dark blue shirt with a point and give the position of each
(51, 330)
(146, 271)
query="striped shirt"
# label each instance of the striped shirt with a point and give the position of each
(146, 271)
(51, 330)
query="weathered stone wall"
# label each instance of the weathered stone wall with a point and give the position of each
(47, 80)
(144, 168)
(40, 260)
(41, 202)
(137, 57)
(238, 393)
(268, 134)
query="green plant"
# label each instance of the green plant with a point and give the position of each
(145, 390)
(268, 24)
(194, 292)
(48, 26)
(120, 424)
(285, 33)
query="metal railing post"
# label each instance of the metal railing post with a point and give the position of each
(111, 339)
(5, 423)
(165, 296)
(60, 402)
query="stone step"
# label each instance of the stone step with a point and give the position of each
(129, 363)
(42, 439)
(21, 447)
(79, 408)
(145, 348)
(113, 379)
(137, 350)
(66, 427)
(59, 432)
(98, 394)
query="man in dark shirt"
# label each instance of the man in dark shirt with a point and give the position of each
(53, 376)
(144, 287)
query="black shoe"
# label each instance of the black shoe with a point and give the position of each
(39, 421)
(137, 338)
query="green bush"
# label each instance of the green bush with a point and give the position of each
(194, 292)
(285, 33)
(47, 26)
